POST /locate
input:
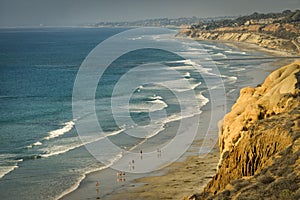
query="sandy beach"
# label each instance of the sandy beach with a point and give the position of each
(192, 174)
(189, 174)
(181, 178)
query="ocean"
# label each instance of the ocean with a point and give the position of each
(43, 155)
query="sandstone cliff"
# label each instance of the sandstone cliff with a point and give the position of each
(276, 31)
(260, 142)
(249, 35)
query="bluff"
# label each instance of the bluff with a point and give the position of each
(263, 40)
(259, 142)
(276, 31)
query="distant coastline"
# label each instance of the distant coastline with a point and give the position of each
(274, 31)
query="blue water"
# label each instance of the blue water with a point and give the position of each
(41, 155)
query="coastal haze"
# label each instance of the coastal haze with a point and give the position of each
(79, 12)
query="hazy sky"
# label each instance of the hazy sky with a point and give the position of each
(75, 12)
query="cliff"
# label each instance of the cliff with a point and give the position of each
(260, 142)
(236, 35)
(276, 31)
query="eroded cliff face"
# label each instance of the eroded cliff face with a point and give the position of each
(260, 142)
(251, 35)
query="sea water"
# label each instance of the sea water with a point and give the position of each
(41, 154)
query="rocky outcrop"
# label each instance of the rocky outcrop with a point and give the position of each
(260, 142)
(249, 36)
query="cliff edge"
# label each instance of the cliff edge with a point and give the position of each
(275, 31)
(260, 142)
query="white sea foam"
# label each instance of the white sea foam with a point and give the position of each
(155, 97)
(177, 61)
(158, 102)
(203, 99)
(212, 47)
(193, 53)
(38, 143)
(187, 75)
(149, 106)
(116, 158)
(232, 78)
(56, 133)
(184, 67)
(7, 169)
(136, 38)
(194, 86)
(189, 65)
(199, 68)
(235, 52)
(7, 165)
(237, 69)
(74, 143)
(219, 55)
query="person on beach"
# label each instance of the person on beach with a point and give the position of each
(132, 164)
(141, 152)
(158, 153)
(121, 177)
(97, 189)
(119, 174)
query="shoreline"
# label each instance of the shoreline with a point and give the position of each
(153, 181)
(142, 186)
(176, 175)
(246, 46)
(86, 188)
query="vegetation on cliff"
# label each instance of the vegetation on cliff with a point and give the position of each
(279, 31)
(260, 142)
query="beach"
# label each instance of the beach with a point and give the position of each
(181, 178)
(172, 182)
(190, 173)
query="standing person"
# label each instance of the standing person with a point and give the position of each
(130, 166)
(141, 152)
(97, 190)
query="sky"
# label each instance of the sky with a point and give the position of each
(78, 12)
